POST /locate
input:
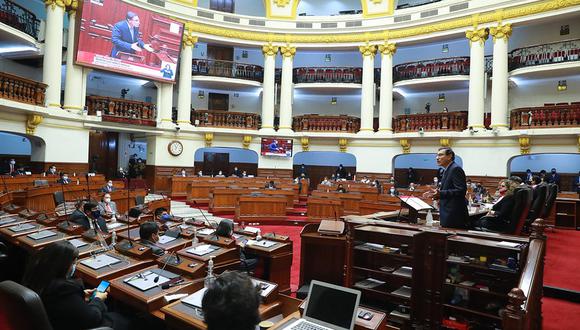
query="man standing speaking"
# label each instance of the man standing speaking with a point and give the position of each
(125, 36)
(451, 192)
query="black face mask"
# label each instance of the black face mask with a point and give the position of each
(96, 214)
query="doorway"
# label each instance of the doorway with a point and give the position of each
(217, 101)
(213, 162)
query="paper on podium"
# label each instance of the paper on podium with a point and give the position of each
(415, 203)
(203, 249)
(262, 243)
(165, 239)
(42, 234)
(78, 242)
(205, 231)
(195, 298)
(145, 281)
(100, 261)
(22, 227)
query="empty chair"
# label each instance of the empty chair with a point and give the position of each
(58, 198)
(538, 202)
(551, 195)
(523, 201)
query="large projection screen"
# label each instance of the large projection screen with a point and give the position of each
(118, 37)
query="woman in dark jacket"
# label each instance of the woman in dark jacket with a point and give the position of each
(499, 218)
(226, 229)
(49, 273)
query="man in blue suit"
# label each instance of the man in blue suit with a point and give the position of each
(451, 192)
(125, 36)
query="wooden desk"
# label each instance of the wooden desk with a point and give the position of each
(377, 322)
(175, 245)
(85, 250)
(224, 200)
(120, 198)
(320, 208)
(9, 220)
(93, 277)
(565, 213)
(350, 201)
(149, 300)
(185, 266)
(277, 263)
(10, 235)
(32, 245)
(288, 193)
(370, 207)
(223, 258)
(261, 208)
(41, 199)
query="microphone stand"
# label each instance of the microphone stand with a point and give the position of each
(213, 225)
(88, 188)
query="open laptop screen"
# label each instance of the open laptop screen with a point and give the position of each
(332, 305)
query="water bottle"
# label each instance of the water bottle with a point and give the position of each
(429, 221)
(392, 191)
(209, 279)
(114, 238)
(259, 235)
(195, 240)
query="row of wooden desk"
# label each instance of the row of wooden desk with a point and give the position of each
(21, 182)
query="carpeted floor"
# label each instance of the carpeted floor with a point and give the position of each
(562, 259)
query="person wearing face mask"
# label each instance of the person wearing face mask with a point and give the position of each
(149, 234)
(68, 304)
(51, 170)
(107, 207)
(11, 168)
(91, 214)
(183, 173)
(108, 188)
(63, 178)
(499, 218)
(554, 178)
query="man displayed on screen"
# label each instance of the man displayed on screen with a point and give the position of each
(274, 146)
(167, 72)
(125, 36)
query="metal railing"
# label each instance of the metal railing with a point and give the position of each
(19, 18)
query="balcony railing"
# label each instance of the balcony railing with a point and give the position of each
(122, 111)
(228, 69)
(443, 121)
(328, 75)
(432, 68)
(556, 52)
(21, 89)
(316, 123)
(19, 18)
(548, 116)
(226, 119)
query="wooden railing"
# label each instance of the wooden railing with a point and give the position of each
(443, 121)
(227, 69)
(548, 116)
(555, 52)
(21, 89)
(122, 111)
(226, 119)
(316, 123)
(328, 74)
(19, 18)
(431, 68)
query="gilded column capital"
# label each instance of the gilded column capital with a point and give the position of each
(305, 142)
(501, 32)
(208, 137)
(445, 142)
(269, 50)
(524, 145)
(246, 140)
(55, 3)
(342, 144)
(71, 6)
(189, 39)
(388, 48)
(32, 121)
(477, 35)
(406, 145)
(368, 50)
(288, 51)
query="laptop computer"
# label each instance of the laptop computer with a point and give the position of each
(329, 307)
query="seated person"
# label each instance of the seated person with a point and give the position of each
(108, 187)
(231, 303)
(516, 179)
(63, 178)
(183, 173)
(326, 182)
(340, 188)
(411, 186)
(90, 216)
(237, 172)
(200, 174)
(378, 185)
(470, 185)
(149, 234)
(270, 185)
(49, 273)
(349, 176)
(244, 174)
(107, 207)
(220, 175)
(226, 229)
(165, 216)
(365, 179)
(51, 170)
(499, 218)
(78, 212)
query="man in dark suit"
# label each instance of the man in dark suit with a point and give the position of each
(90, 215)
(108, 188)
(11, 168)
(125, 36)
(554, 177)
(237, 172)
(451, 193)
(149, 234)
(340, 172)
(63, 178)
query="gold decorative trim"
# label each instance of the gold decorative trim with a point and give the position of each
(282, 3)
(388, 48)
(365, 129)
(525, 145)
(342, 144)
(287, 51)
(406, 145)
(268, 6)
(191, 3)
(58, 105)
(368, 50)
(386, 129)
(71, 6)
(32, 121)
(183, 122)
(269, 49)
(72, 107)
(167, 120)
(500, 125)
(477, 35)
(208, 137)
(390, 8)
(445, 142)
(501, 32)
(305, 142)
(55, 3)
(246, 140)
(578, 143)
(189, 39)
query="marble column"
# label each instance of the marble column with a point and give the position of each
(476, 39)
(386, 90)
(52, 61)
(164, 103)
(286, 89)
(184, 87)
(499, 87)
(268, 87)
(366, 104)
(73, 100)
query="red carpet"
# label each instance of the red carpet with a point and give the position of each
(560, 314)
(562, 259)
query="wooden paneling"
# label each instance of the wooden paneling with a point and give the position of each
(103, 152)
(78, 168)
(274, 172)
(423, 176)
(317, 173)
(158, 177)
(250, 168)
(382, 177)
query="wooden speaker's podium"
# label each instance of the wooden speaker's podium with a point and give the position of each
(414, 205)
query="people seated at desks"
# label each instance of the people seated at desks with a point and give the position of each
(183, 173)
(378, 185)
(365, 179)
(244, 174)
(479, 192)
(340, 188)
(270, 185)
(237, 172)
(163, 219)
(231, 303)
(340, 172)
(470, 185)
(302, 170)
(68, 304)
(107, 207)
(200, 174)
(326, 182)
(543, 176)
(554, 178)
(10, 168)
(51, 170)
(499, 218)
(108, 187)
(90, 216)
(20, 171)
(220, 175)
(349, 176)
(149, 234)
(226, 229)
(411, 186)
(435, 181)
(63, 178)
(529, 176)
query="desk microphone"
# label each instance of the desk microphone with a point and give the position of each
(213, 224)
(156, 279)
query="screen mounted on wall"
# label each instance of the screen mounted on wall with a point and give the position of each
(118, 37)
(276, 147)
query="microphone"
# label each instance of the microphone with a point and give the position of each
(156, 279)
(129, 241)
(405, 201)
(213, 224)
(88, 187)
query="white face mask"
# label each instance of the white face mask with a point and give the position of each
(65, 177)
(110, 184)
(12, 162)
(107, 200)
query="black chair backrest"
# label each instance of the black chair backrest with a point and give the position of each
(139, 200)
(22, 308)
(539, 202)
(522, 202)
(550, 199)
(58, 198)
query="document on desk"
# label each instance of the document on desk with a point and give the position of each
(8, 220)
(194, 299)
(114, 225)
(42, 234)
(252, 230)
(146, 280)
(100, 261)
(265, 288)
(78, 242)
(166, 239)
(263, 243)
(205, 231)
(203, 249)
(22, 227)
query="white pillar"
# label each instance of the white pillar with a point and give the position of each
(164, 104)
(286, 89)
(268, 91)
(73, 100)
(85, 75)
(52, 61)
(184, 88)
(476, 77)
(499, 87)
(366, 104)
(386, 90)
